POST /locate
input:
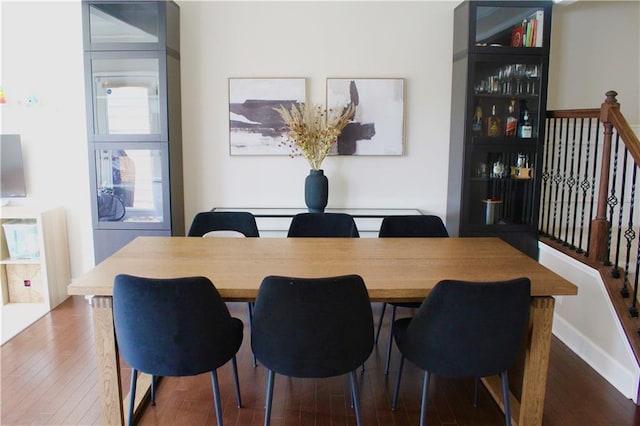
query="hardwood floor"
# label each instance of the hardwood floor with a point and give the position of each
(49, 378)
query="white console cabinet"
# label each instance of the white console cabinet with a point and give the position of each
(274, 222)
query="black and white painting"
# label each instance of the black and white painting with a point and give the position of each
(377, 127)
(255, 128)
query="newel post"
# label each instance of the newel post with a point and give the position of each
(598, 239)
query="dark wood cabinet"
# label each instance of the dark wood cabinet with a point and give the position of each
(499, 96)
(132, 83)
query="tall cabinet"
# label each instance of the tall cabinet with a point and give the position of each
(499, 96)
(132, 81)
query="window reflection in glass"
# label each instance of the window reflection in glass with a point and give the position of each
(126, 96)
(129, 185)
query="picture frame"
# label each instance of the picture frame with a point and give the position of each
(255, 128)
(377, 127)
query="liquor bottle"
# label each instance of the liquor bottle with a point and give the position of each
(526, 129)
(476, 126)
(511, 123)
(493, 123)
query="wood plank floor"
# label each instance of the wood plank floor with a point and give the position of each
(49, 378)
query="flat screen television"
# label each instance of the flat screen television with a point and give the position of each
(11, 168)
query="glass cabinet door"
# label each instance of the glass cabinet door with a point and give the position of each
(122, 23)
(501, 188)
(130, 187)
(125, 96)
(506, 101)
(497, 25)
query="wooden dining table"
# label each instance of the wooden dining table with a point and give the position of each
(394, 270)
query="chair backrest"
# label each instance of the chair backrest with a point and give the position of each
(224, 234)
(469, 329)
(173, 327)
(312, 327)
(412, 226)
(243, 222)
(323, 225)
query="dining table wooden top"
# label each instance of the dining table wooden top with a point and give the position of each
(394, 269)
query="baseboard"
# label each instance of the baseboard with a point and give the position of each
(624, 380)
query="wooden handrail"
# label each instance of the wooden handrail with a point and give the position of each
(574, 113)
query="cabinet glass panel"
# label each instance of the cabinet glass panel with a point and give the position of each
(129, 185)
(506, 101)
(123, 22)
(501, 188)
(126, 96)
(509, 26)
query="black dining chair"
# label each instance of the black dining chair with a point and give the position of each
(409, 226)
(312, 328)
(465, 329)
(323, 225)
(243, 222)
(174, 327)
(226, 224)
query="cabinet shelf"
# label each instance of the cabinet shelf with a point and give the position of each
(506, 142)
(35, 261)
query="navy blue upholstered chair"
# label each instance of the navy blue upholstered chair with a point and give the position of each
(221, 224)
(323, 225)
(243, 222)
(313, 328)
(410, 226)
(174, 327)
(465, 329)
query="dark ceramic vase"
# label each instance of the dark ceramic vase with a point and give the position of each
(316, 191)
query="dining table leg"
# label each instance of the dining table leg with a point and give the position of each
(107, 361)
(528, 384)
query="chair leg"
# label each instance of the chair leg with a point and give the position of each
(216, 396)
(132, 394)
(425, 398)
(475, 391)
(153, 390)
(269, 397)
(236, 382)
(393, 318)
(355, 397)
(505, 394)
(384, 307)
(396, 391)
(250, 315)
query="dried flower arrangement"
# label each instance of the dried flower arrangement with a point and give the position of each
(313, 130)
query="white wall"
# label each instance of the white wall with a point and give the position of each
(42, 55)
(588, 324)
(595, 48)
(316, 40)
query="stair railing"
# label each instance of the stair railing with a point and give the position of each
(589, 204)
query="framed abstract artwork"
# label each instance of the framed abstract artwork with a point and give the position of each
(255, 128)
(377, 127)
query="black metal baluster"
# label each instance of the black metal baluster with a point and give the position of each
(545, 180)
(612, 200)
(630, 236)
(576, 205)
(593, 179)
(584, 185)
(570, 181)
(564, 181)
(557, 179)
(615, 273)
